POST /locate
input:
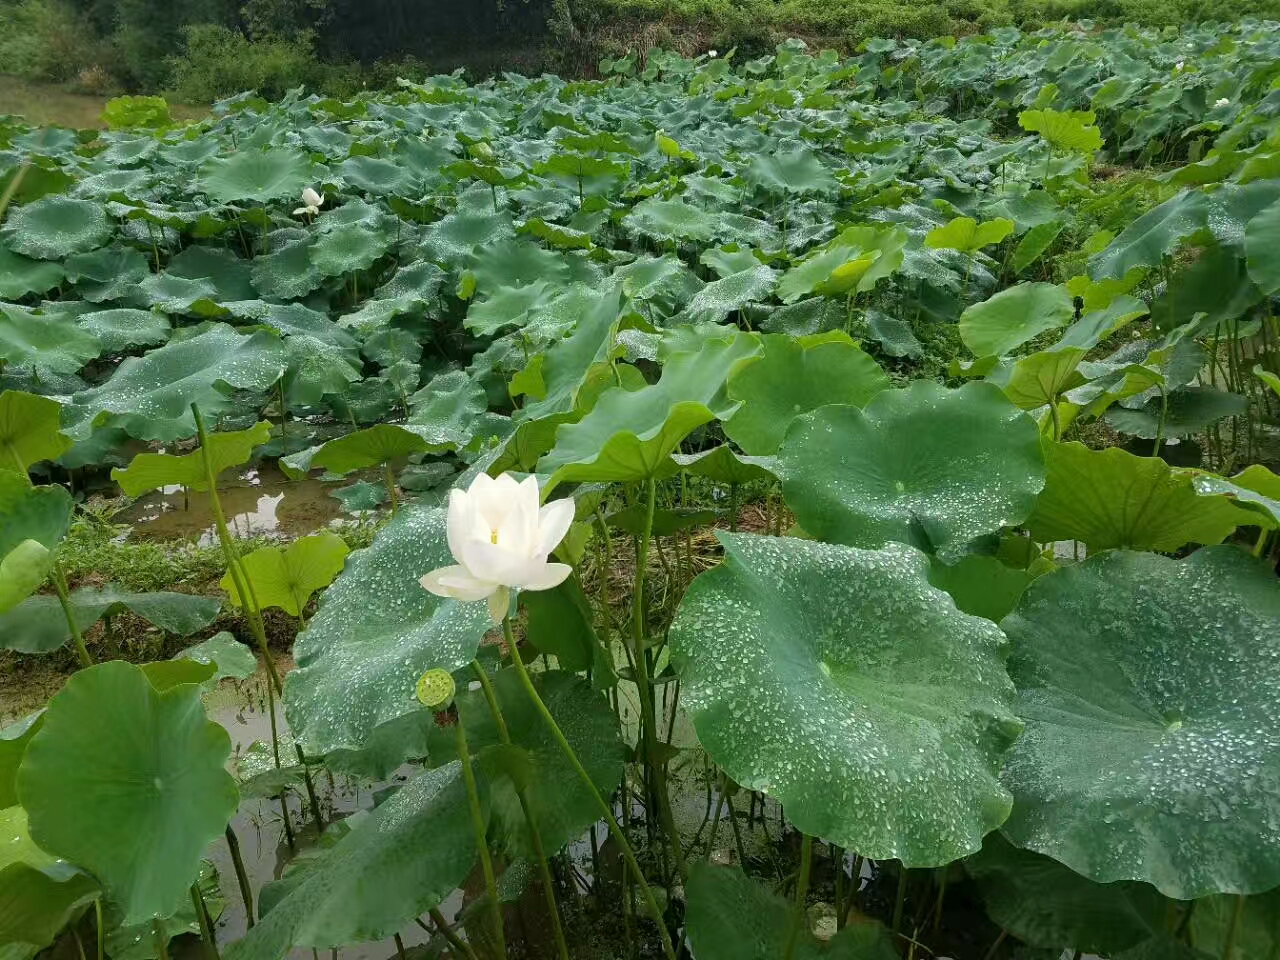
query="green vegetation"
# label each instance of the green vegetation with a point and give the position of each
(879, 450)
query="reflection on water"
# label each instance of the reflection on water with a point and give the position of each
(262, 502)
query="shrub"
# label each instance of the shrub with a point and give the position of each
(44, 40)
(219, 62)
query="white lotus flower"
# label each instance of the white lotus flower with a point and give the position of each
(501, 539)
(312, 202)
(1222, 102)
(1179, 65)
(713, 54)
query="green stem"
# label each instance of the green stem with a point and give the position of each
(454, 940)
(391, 487)
(202, 917)
(733, 823)
(535, 835)
(241, 876)
(249, 603)
(1164, 411)
(648, 721)
(802, 893)
(733, 508)
(1229, 945)
(161, 941)
(901, 899)
(478, 824)
(606, 813)
(102, 930)
(1262, 542)
(837, 858)
(64, 598)
(1057, 421)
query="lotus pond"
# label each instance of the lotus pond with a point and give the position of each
(771, 509)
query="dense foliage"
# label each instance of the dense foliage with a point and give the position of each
(989, 326)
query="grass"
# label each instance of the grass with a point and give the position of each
(43, 104)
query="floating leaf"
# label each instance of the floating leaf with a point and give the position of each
(1149, 750)
(925, 465)
(154, 471)
(129, 783)
(878, 726)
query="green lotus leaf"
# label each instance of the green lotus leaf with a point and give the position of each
(118, 330)
(512, 262)
(630, 435)
(21, 275)
(660, 284)
(361, 496)
(377, 176)
(1149, 750)
(154, 471)
(896, 338)
(1044, 377)
(508, 306)
(967, 235)
(394, 864)
(1262, 249)
(376, 633)
(30, 430)
(925, 465)
(1156, 234)
(560, 624)
(1097, 325)
(1045, 904)
(853, 262)
(1071, 130)
(557, 235)
(723, 464)
(230, 657)
(562, 807)
(982, 586)
(878, 726)
(54, 227)
(567, 362)
(1257, 927)
(370, 447)
(1255, 488)
(151, 396)
(446, 412)
(1036, 241)
(138, 941)
(38, 625)
(1187, 412)
(731, 917)
(139, 815)
(347, 248)
(257, 175)
(39, 895)
(790, 171)
(111, 273)
(413, 288)
(790, 378)
(229, 275)
(40, 515)
(1013, 316)
(719, 299)
(288, 272)
(44, 343)
(287, 577)
(1111, 498)
(671, 220)
(23, 570)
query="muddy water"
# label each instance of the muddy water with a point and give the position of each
(259, 825)
(261, 502)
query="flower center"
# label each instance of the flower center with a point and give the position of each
(493, 536)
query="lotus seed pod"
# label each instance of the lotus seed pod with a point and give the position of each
(436, 689)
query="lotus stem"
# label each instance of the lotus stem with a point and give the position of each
(482, 846)
(400, 947)
(802, 893)
(901, 899)
(237, 862)
(605, 811)
(64, 598)
(837, 857)
(995, 947)
(202, 917)
(535, 836)
(649, 722)
(446, 931)
(253, 611)
(1233, 929)
(733, 823)
(161, 939)
(101, 929)
(391, 487)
